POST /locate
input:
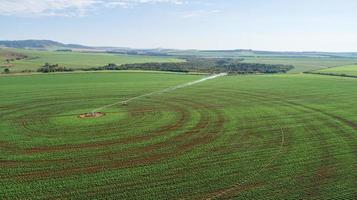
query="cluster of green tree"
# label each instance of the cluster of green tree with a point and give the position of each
(53, 68)
(6, 70)
(172, 67)
(331, 74)
(15, 57)
(246, 68)
(203, 65)
(27, 71)
(64, 50)
(192, 64)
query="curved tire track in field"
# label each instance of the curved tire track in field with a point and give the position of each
(206, 129)
(252, 175)
(180, 139)
(299, 107)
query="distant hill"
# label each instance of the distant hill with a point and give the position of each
(247, 53)
(40, 44)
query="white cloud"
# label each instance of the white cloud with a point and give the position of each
(67, 7)
(199, 13)
(131, 3)
(45, 7)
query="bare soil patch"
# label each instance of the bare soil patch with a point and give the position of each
(91, 115)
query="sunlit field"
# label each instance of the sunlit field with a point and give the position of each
(341, 70)
(74, 60)
(244, 137)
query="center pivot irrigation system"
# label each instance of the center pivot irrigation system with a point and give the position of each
(96, 112)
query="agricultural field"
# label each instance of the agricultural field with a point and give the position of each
(302, 61)
(291, 136)
(341, 70)
(303, 64)
(34, 59)
(74, 60)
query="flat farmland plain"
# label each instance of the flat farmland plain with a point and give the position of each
(74, 60)
(341, 70)
(303, 64)
(254, 137)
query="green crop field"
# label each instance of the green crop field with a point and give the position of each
(303, 64)
(302, 61)
(347, 70)
(244, 137)
(74, 60)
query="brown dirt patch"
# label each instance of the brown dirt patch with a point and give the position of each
(91, 115)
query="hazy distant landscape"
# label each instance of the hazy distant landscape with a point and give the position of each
(30, 55)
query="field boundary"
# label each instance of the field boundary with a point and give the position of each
(103, 71)
(331, 74)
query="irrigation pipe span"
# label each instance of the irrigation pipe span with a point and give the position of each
(170, 89)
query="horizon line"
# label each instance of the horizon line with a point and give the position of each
(181, 49)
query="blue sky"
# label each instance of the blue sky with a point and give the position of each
(292, 25)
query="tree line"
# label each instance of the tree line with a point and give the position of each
(331, 74)
(200, 65)
(53, 68)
